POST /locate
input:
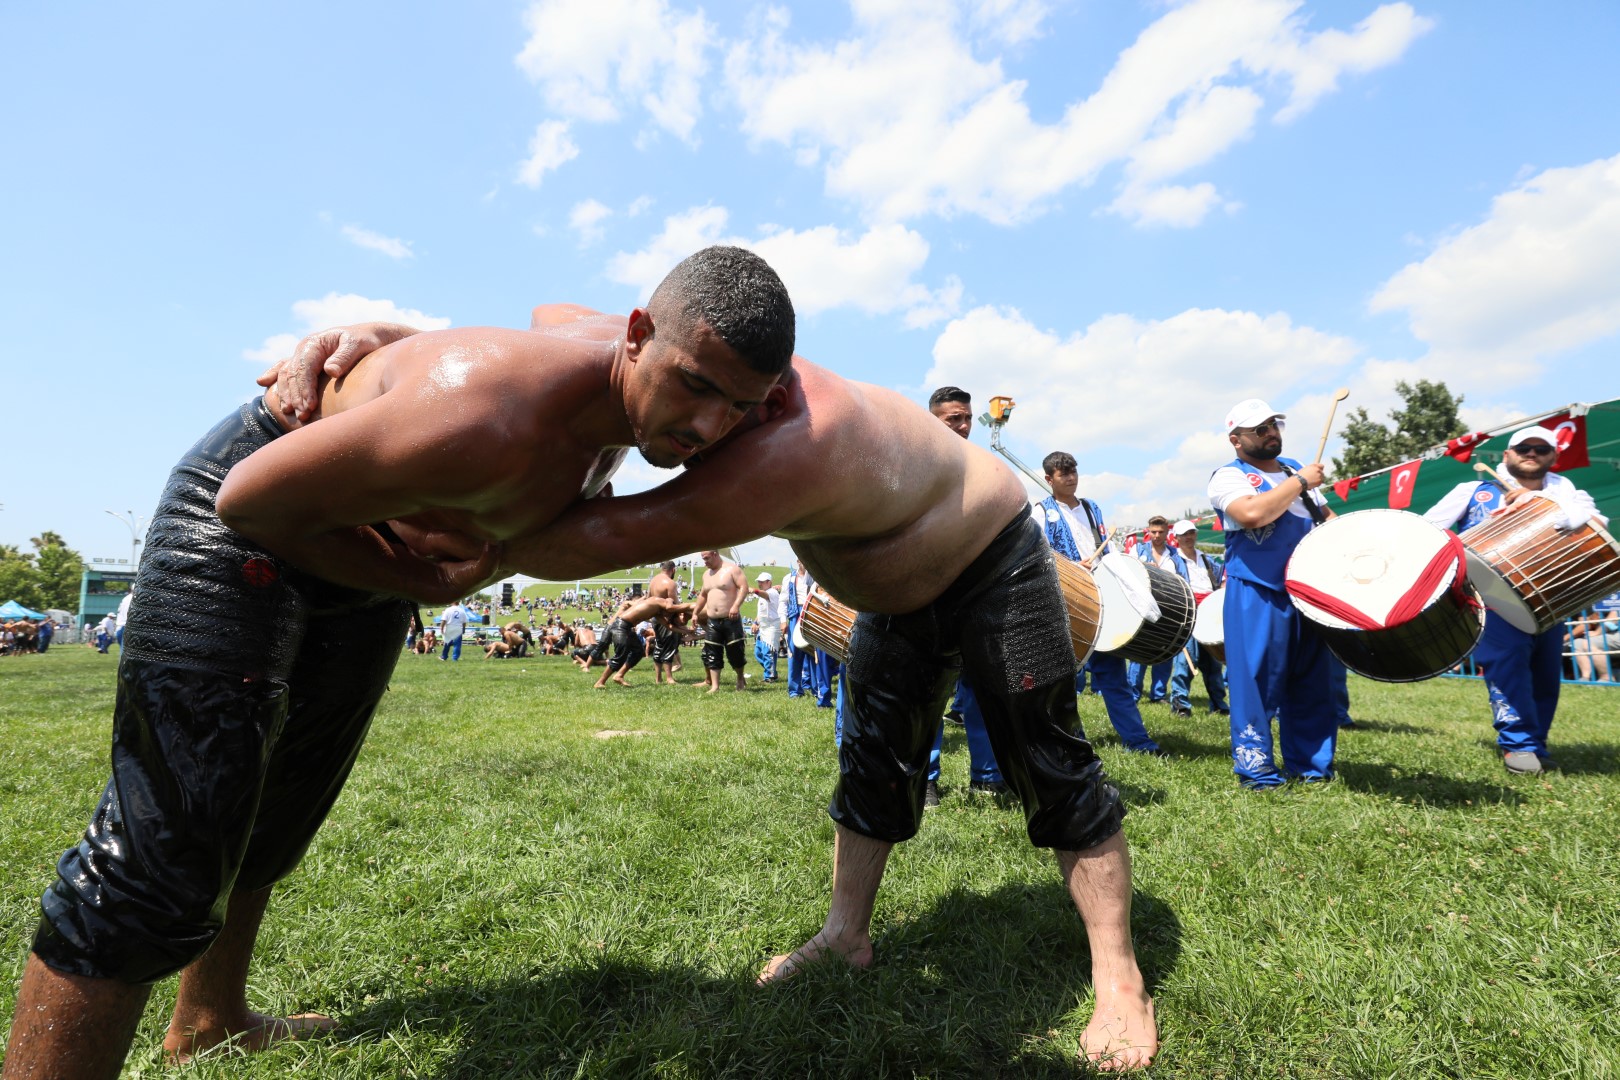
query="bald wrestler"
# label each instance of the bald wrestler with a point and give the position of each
(628, 647)
(269, 616)
(722, 595)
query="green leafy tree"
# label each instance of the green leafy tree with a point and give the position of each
(19, 577)
(1428, 419)
(61, 569)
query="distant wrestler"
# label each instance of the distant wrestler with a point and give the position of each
(666, 644)
(628, 646)
(270, 612)
(722, 590)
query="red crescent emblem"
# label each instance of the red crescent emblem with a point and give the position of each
(1254, 480)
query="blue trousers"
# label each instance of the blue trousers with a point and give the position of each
(453, 645)
(798, 680)
(1339, 689)
(1276, 666)
(981, 758)
(1108, 679)
(1157, 690)
(1181, 678)
(765, 653)
(1522, 675)
(822, 671)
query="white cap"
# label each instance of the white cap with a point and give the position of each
(1251, 412)
(1537, 432)
(1182, 527)
(763, 576)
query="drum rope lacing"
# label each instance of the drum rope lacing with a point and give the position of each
(1412, 602)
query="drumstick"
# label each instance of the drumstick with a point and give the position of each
(1327, 429)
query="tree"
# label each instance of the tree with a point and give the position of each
(19, 577)
(1429, 419)
(61, 569)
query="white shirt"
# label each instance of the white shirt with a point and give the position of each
(123, 609)
(1197, 575)
(1163, 562)
(1231, 483)
(1079, 522)
(453, 622)
(1577, 505)
(770, 606)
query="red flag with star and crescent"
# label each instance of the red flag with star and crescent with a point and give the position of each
(1462, 447)
(1343, 488)
(1571, 433)
(1401, 483)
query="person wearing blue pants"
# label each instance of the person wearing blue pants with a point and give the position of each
(1204, 577)
(799, 660)
(1075, 530)
(1522, 670)
(1339, 691)
(769, 624)
(1276, 665)
(1163, 554)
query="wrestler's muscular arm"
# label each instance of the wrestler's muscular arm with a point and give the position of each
(311, 495)
(763, 481)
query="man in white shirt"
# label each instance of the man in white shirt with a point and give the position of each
(1276, 665)
(453, 623)
(1522, 671)
(1075, 530)
(1160, 553)
(1204, 577)
(123, 617)
(769, 618)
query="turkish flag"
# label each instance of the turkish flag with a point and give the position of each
(1343, 488)
(1571, 432)
(1220, 525)
(1401, 483)
(1462, 447)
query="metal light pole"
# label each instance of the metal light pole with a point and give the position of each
(133, 524)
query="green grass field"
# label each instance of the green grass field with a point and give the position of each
(501, 891)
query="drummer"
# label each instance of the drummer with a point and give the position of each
(1276, 665)
(1522, 671)
(1204, 577)
(1075, 530)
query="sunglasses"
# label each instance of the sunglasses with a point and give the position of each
(1267, 428)
(1537, 448)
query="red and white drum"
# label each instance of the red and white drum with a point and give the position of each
(1534, 574)
(1209, 626)
(1389, 594)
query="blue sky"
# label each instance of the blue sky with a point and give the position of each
(1125, 215)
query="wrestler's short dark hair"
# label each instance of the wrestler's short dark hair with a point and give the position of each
(667, 567)
(737, 295)
(949, 393)
(1159, 519)
(1059, 461)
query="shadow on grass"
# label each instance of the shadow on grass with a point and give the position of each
(1383, 727)
(1601, 759)
(1183, 746)
(975, 986)
(1429, 788)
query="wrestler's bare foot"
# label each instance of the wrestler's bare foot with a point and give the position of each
(620, 681)
(1123, 1033)
(857, 954)
(256, 1032)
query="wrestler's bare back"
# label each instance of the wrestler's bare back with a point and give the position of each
(467, 434)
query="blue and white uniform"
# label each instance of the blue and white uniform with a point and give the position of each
(1523, 671)
(1276, 665)
(1204, 577)
(1158, 688)
(1075, 533)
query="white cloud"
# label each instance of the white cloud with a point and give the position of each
(1010, 22)
(1125, 382)
(1539, 275)
(586, 219)
(550, 148)
(591, 58)
(823, 267)
(339, 309)
(909, 121)
(640, 206)
(391, 246)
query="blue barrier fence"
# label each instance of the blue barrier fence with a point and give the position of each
(1591, 647)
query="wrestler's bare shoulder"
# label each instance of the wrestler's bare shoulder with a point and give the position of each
(483, 373)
